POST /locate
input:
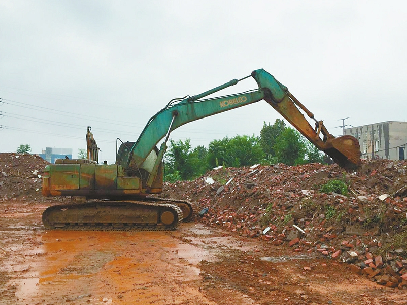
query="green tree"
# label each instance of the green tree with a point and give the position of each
(201, 153)
(246, 150)
(313, 154)
(184, 162)
(82, 153)
(290, 148)
(236, 151)
(218, 152)
(268, 137)
(24, 149)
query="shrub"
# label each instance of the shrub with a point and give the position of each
(335, 186)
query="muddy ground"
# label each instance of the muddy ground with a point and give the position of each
(267, 235)
(195, 264)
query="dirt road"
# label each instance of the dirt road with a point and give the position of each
(193, 265)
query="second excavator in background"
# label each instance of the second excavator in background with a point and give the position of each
(119, 194)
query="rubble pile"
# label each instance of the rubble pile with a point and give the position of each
(20, 177)
(365, 225)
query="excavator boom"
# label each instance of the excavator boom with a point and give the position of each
(343, 150)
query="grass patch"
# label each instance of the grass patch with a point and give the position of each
(335, 186)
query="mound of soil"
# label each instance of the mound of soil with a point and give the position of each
(365, 225)
(20, 177)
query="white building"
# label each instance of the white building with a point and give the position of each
(50, 154)
(387, 140)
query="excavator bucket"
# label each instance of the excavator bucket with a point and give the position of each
(345, 151)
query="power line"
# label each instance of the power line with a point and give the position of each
(343, 125)
(56, 123)
(80, 116)
(64, 112)
(49, 133)
(97, 102)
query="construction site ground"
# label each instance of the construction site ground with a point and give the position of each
(236, 253)
(194, 265)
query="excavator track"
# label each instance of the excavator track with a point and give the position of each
(187, 207)
(113, 216)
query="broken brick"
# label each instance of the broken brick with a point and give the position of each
(355, 269)
(370, 272)
(336, 254)
(378, 261)
(294, 241)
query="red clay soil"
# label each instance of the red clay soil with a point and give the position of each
(245, 249)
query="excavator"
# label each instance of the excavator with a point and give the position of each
(123, 195)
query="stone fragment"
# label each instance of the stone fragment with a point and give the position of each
(294, 241)
(336, 254)
(220, 190)
(378, 261)
(390, 270)
(370, 272)
(392, 284)
(292, 235)
(209, 180)
(382, 279)
(384, 197)
(355, 269)
(402, 284)
(362, 198)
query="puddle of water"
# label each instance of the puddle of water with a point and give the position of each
(27, 287)
(199, 229)
(282, 259)
(222, 242)
(90, 260)
(193, 254)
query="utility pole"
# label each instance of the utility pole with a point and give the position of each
(343, 125)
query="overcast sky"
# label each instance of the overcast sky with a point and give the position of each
(111, 65)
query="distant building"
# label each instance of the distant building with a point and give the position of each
(50, 154)
(387, 140)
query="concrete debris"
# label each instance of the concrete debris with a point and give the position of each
(230, 180)
(299, 229)
(283, 204)
(209, 180)
(384, 197)
(266, 230)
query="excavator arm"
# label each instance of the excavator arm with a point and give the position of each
(343, 150)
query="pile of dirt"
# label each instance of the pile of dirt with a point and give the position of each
(363, 223)
(20, 177)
